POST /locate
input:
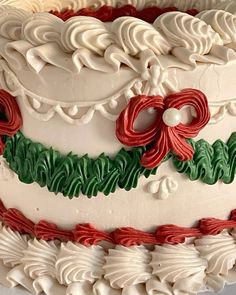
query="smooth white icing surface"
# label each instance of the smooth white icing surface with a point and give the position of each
(220, 92)
(191, 202)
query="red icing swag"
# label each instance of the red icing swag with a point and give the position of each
(88, 235)
(108, 13)
(10, 120)
(160, 137)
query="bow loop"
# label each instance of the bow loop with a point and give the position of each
(192, 98)
(10, 117)
(125, 125)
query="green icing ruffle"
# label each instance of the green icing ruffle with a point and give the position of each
(72, 175)
(211, 163)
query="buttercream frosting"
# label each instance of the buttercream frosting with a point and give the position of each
(39, 258)
(188, 268)
(78, 263)
(116, 43)
(163, 188)
(127, 266)
(207, 262)
(104, 49)
(219, 251)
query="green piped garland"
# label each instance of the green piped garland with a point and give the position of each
(210, 163)
(72, 175)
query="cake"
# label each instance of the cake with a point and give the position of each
(118, 146)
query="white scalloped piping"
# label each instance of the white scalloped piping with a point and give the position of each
(107, 106)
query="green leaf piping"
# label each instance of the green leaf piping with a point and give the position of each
(72, 175)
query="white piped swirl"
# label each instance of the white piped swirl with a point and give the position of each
(222, 22)
(82, 41)
(27, 5)
(40, 258)
(42, 28)
(188, 32)
(77, 263)
(85, 32)
(220, 252)
(229, 6)
(11, 20)
(168, 269)
(187, 271)
(12, 245)
(127, 266)
(134, 36)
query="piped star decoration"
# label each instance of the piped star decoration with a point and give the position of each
(167, 133)
(10, 117)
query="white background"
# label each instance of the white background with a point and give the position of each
(229, 290)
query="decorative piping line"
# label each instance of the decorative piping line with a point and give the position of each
(220, 109)
(43, 108)
(109, 13)
(71, 175)
(87, 234)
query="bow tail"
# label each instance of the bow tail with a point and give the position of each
(2, 145)
(157, 153)
(179, 146)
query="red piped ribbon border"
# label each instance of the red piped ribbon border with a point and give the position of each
(88, 235)
(108, 13)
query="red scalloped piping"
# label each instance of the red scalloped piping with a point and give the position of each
(48, 231)
(129, 236)
(213, 226)
(108, 13)
(18, 222)
(88, 235)
(172, 234)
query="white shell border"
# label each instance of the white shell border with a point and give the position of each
(206, 263)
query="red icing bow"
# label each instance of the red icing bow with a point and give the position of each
(10, 117)
(162, 136)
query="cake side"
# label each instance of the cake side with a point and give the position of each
(73, 101)
(112, 91)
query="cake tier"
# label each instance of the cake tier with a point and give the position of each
(110, 127)
(71, 90)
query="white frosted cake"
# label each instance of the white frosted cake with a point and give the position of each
(118, 146)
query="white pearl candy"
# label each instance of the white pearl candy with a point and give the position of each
(172, 117)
